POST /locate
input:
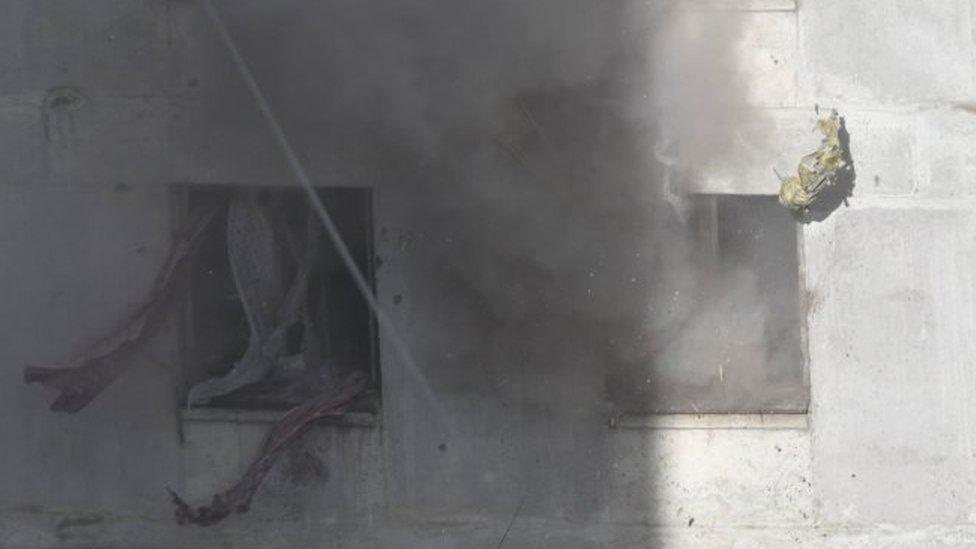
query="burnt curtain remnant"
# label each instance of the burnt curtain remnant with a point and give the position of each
(273, 320)
(273, 316)
(292, 425)
(89, 374)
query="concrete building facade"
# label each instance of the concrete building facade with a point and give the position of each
(474, 449)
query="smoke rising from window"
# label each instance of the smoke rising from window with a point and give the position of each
(533, 159)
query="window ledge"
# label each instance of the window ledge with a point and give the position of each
(225, 415)
(777, 421)
(737, 5)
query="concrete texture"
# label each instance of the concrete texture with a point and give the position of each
(904, 339)
(898, 52)
(887, 460)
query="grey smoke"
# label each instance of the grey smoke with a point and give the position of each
(537, 152)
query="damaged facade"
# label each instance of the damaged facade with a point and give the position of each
(509, 431)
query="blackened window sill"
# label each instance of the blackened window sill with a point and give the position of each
(365, 420)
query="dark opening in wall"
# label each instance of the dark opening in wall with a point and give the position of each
(331, 332)
(734, 344)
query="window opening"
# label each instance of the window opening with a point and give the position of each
(734, 345)
(308, 322)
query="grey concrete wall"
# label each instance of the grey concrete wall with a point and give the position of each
(88, 216)
(886, 460)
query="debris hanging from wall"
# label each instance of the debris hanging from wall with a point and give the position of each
(287, 430)
(270, 306)
(88, 375)
(816, 171)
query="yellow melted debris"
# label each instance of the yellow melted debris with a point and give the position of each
(816, 170)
